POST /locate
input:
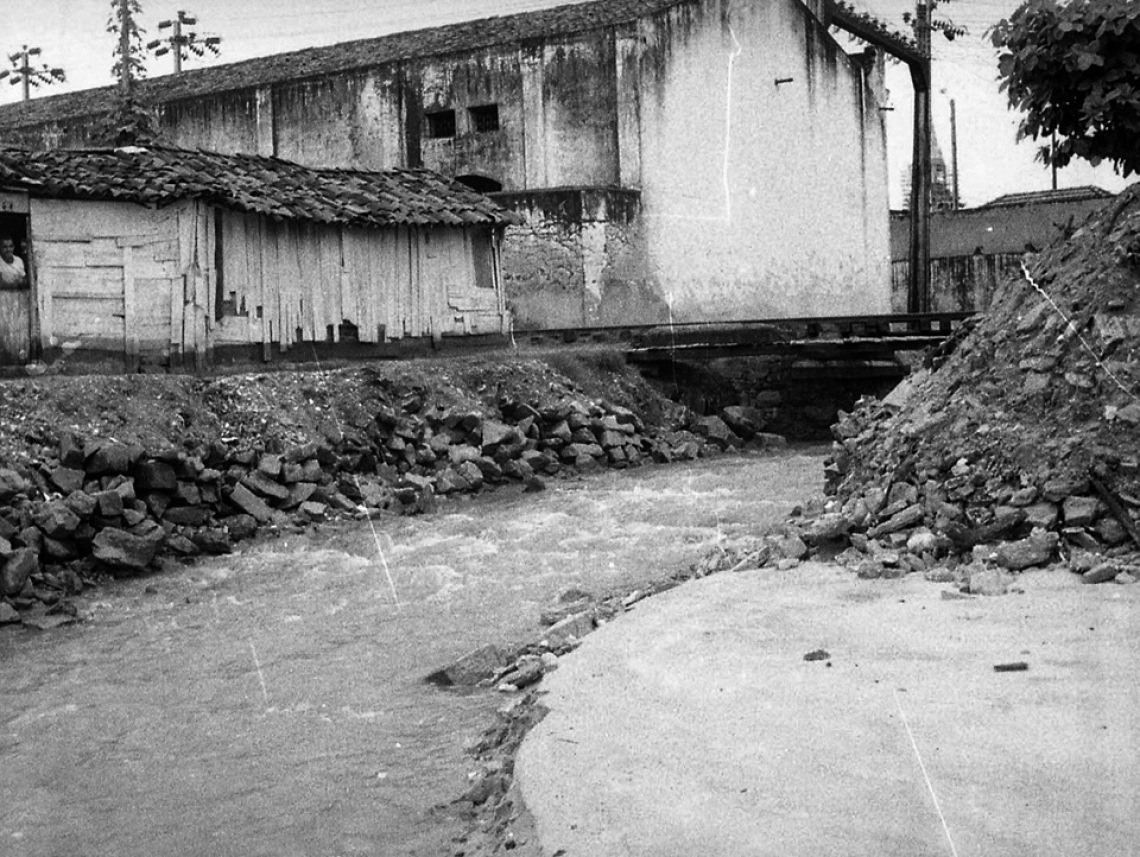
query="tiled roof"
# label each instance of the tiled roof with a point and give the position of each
(1070, 194)
(364, 53)
(160, 175)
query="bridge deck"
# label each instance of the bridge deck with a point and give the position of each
(837, 338)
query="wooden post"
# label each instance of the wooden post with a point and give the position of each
(130, 315)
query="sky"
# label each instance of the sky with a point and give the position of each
(72, 35)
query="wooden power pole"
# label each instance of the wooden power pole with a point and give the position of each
(179, 42)
(27, 75)
(918, 288)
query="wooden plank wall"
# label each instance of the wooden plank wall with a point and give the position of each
(290, 282)
(142, 283)
(104, 274)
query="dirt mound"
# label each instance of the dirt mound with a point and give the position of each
(1030, 419)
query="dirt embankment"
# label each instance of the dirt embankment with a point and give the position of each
(1019, 445)
(120, 475)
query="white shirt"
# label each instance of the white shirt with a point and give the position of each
(12, 275)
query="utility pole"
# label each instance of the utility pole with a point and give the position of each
(26, 70)
(180, 44)
(24, 73)
(918, 289)
(954, 151)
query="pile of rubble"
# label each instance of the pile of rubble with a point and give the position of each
(1019, 444)
(78, 508)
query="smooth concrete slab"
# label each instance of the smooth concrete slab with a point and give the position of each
(694, 726)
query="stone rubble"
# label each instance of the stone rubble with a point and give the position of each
(91, 506)
(1015, 447)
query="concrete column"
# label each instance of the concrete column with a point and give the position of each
(534, 117)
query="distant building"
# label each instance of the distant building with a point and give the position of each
(973, 249)
(684, 159)
(941, 181)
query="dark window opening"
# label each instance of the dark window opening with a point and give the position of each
(441, 124)
(483, 256)
(485, 118)
(480, 183)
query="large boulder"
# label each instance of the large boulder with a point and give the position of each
(1037, 549)
(154, 475)
(743, 420)
(56, 520)
(14, 573)
(473, 667)
(716, 431)
(250, 503)
(122, 550)
(67, 479)
(12, 484)
(111, 457)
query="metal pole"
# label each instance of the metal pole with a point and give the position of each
(954, 150)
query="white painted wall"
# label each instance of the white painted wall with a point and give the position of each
(761, 200)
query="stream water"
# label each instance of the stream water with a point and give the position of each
(272, 702)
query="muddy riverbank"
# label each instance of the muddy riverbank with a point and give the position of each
(273, 702)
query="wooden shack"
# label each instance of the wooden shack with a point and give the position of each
(164, 257)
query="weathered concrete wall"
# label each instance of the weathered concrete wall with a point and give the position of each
(761, 199)
(958, 283)
(578, 260)
(758, 198)
(1001, 229)
(480, 79)
(225, 123)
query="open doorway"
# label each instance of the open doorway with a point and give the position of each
(15, 282)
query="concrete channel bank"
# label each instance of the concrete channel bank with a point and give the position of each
(806, 712)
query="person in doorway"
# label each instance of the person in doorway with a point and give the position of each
(13, 275)
(15, 327)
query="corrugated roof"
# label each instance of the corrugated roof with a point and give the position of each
(160, 175)
(1069, 194)
(364, 53)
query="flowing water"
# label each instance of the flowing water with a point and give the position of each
(272, 702)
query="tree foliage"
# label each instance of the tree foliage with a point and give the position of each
(1073, 69)
(125, 16)
(131, 121)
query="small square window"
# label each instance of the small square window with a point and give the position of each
(441, 124)
(485, 117)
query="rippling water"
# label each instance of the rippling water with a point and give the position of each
(271, 702)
